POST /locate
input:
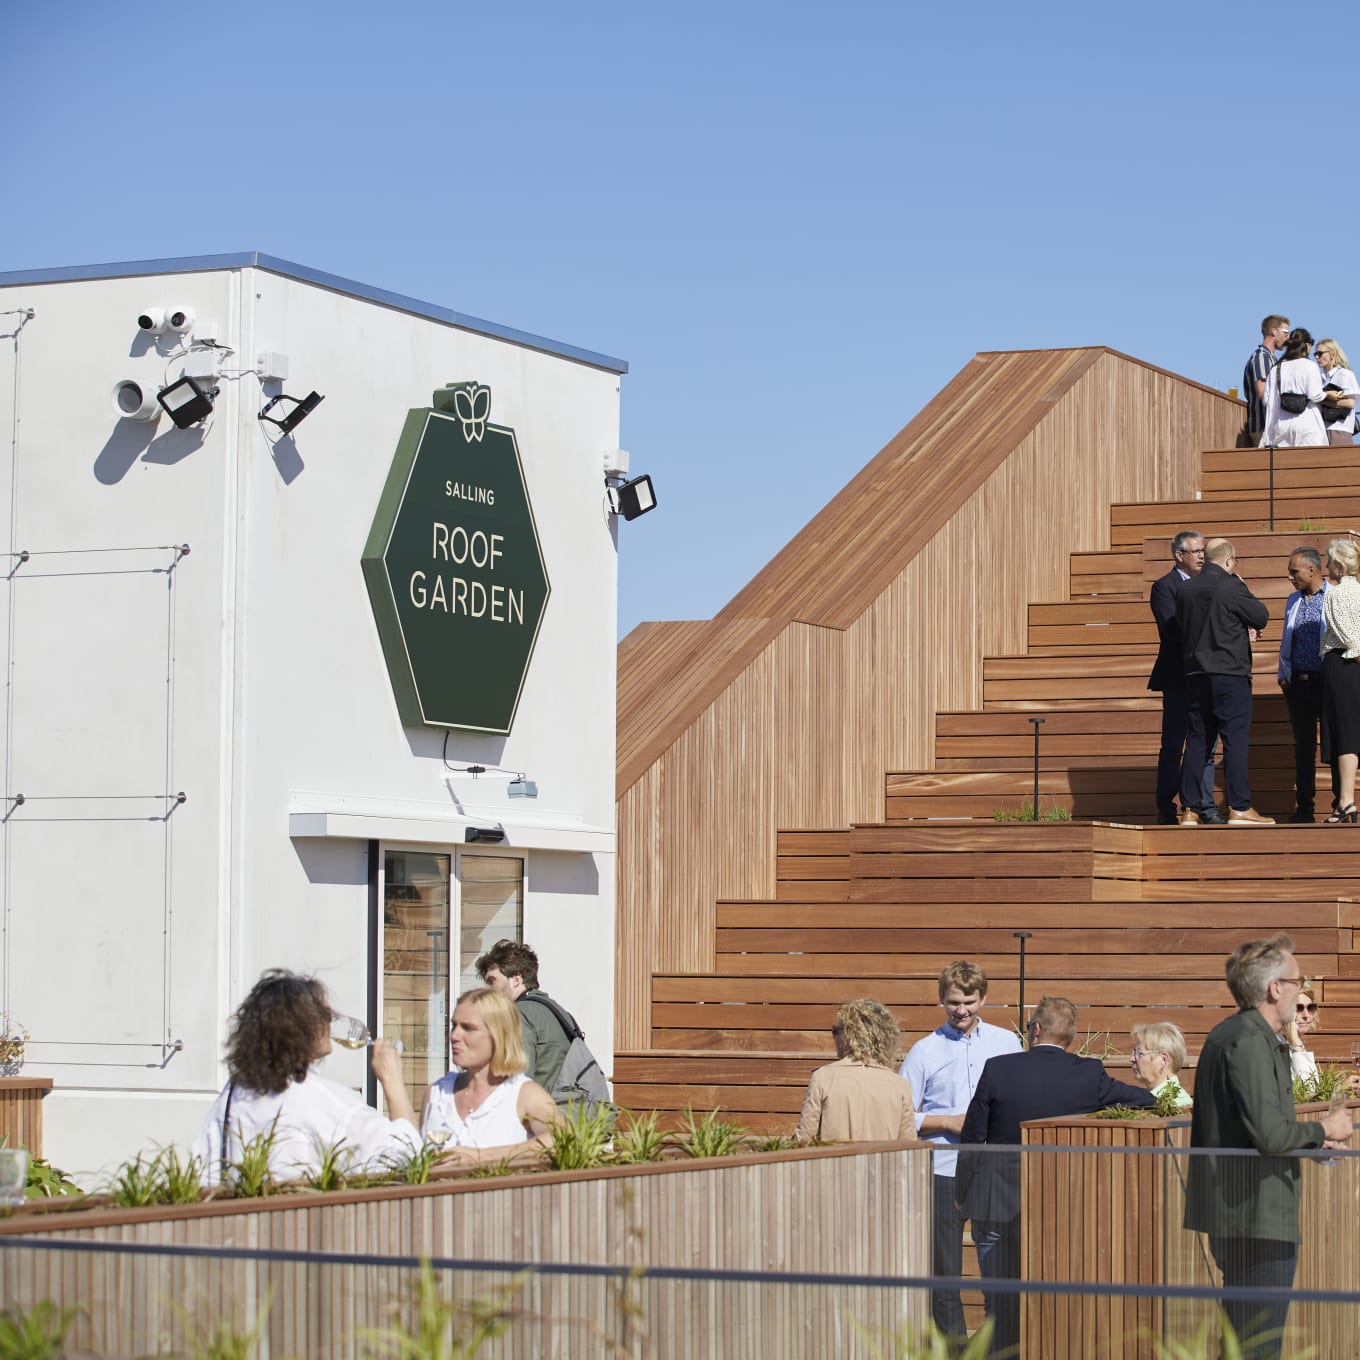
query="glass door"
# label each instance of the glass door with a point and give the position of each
(415, 981)
(419, 922)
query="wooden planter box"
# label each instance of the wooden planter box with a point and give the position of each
(856, 1209)
(1115, 1217)
(21, 1111)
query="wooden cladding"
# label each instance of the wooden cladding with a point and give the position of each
(827, 671)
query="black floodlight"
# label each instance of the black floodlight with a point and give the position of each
(490, 835)
(187, 402)
(636, 497)
(302, 408)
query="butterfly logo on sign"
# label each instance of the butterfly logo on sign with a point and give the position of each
(473, 407)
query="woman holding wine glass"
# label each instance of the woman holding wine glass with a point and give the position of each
(487, 1110)
(280, 1030)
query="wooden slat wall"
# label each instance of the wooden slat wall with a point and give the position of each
(847, 1210)
(801, 733)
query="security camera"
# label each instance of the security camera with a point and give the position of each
(134, 402)
(180, 320)
(154, 321)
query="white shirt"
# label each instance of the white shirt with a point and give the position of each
(494, 1123)
(1284, 429)
(944, 1069)
(313, 1115)
(1346, 381)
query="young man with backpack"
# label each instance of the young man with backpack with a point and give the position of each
(554, 1043)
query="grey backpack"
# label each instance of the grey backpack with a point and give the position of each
(580, 1079)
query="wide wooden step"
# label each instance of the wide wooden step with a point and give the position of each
(1302, 512)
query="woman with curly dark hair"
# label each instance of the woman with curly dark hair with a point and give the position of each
(280, 1030)
(860, 1097)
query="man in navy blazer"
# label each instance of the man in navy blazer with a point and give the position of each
(1168, 676)
(1041, 1083)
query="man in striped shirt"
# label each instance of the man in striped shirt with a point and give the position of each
(1274, 332)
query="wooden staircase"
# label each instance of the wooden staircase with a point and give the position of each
(1132, 921)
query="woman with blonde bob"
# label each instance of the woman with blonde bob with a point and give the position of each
(1158, 1056)
(1340, 389)
(860, 1098)
(487, 1110)
(1341, 673)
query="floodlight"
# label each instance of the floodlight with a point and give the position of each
(636, 497)
(492, 835)
(302, 408)
(188, 401)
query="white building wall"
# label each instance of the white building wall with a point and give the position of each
(259, 651)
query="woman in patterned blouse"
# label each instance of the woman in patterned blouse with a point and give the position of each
(1341, 673)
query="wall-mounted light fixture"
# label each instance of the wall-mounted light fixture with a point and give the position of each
(188, 401)
(490, 835)
(132, 401)
(636, 497)
(302, 408)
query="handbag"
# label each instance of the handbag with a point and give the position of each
(1296, 403)
(1334, 415)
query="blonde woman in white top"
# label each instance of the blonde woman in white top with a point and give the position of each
(1296, 373)
(1341, 673)
(1336, 373)
(487, 1110)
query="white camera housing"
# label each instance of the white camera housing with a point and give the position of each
(153, 321)
(133, 401)
(616, 463)
(180, 320)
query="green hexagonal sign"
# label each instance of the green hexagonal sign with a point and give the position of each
(453, 566)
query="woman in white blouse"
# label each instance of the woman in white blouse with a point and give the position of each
(1341, 673)
(1296, 375)
(487, 1110)
(1338, 407)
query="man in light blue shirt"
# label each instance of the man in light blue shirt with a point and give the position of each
(943, 1069)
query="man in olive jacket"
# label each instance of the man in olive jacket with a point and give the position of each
(1249, 1204)
(511, 968)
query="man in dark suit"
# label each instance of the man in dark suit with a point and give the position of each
(1168, 676)
(1219, 619)
(1043, 1082)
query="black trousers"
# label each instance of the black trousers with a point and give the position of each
(946, 1308)
(1175, 723)
(1220, 710)
(1256, 1263)
(1303, 699)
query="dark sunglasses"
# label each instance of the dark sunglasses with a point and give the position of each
(1309, 1006)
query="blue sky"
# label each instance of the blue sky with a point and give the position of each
(796, 222)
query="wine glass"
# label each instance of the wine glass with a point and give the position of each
(349, 1032)
(438, 1136)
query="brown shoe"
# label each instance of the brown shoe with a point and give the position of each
(1248, 817)
(1189, 817)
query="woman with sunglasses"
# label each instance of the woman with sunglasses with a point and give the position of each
(1306, 1021)
(1340, 389)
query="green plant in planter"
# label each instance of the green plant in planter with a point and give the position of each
(580, 1140)
(778, 1142)
(1326, 1084)
(181, 1177)
(46, 1181)
(639, 1138)
(137, 1183)
(710, 1136)
(38, 1333)
(251, 1176)
(331, 1159)
(487, 1170)
(1050, 810)
(439, 1328)
(409, 1168)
